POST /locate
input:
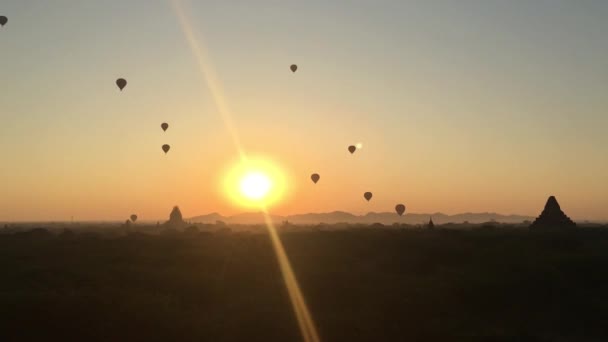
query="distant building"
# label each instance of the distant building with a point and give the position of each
(176, 215)
(175, 219)
(552, 218)
(431, 225)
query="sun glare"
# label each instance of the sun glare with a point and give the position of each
(255, 186)
(255, 183)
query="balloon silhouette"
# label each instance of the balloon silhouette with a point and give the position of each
(164, 126)
(3, 20)
(368, 196)
(352, 149)
(293, 68)
(400, 209)
(121, 83)
(133, 218)
(166, 148)
(315, 177)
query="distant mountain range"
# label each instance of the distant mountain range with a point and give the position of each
(369, 218)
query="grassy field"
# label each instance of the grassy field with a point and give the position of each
(360, 285)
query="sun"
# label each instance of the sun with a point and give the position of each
(255, 186)
(255, 183)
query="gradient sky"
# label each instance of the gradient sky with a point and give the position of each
(467, 106)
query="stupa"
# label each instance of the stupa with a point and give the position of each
(175, 219)
(552, 217)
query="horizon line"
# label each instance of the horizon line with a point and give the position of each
(164, 219)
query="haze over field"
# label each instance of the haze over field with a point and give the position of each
(487, 106)
(369, 218)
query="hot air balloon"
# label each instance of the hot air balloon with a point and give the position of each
(315, 177)
(164, 126)
(293, 68)
(133, 218)
(400, 209)
(121, 83)
(166, 148)
(3, 20)
(368, 196)
(352, 149)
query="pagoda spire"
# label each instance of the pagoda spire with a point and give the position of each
(431, 225)
(552, 217)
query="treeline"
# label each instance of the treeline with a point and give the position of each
(116, 230)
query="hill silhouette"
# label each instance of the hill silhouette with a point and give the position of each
(369, 218)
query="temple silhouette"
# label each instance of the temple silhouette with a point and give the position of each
(175, 219)
(552, 217)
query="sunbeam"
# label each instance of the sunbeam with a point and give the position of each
(207, 71)
(305, 322)
(307, 326)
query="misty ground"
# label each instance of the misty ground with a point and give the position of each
(361, 284)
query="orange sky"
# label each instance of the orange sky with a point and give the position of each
(482, 108)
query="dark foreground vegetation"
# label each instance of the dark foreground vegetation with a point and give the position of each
(382, 284)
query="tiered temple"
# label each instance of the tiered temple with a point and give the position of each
(552, 217)
(175, 219)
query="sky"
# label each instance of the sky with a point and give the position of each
(474, 106)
